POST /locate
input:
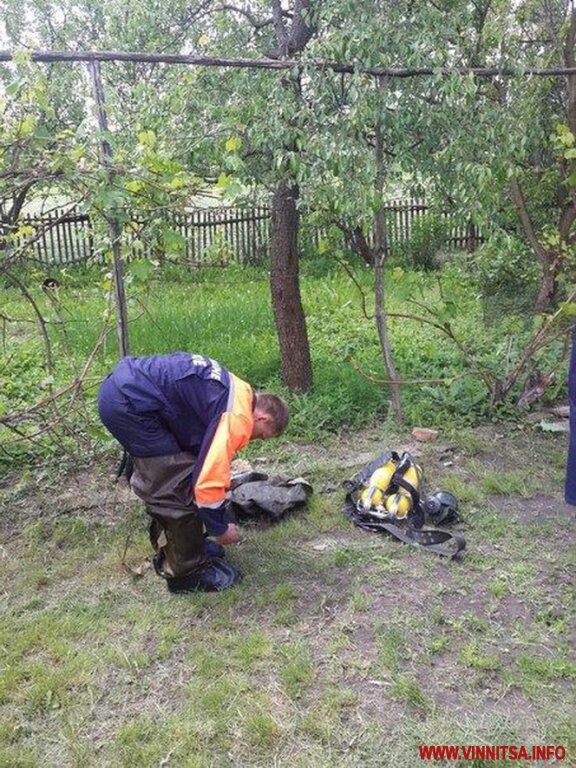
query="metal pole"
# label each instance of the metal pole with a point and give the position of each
(334, 66)
(114, 228)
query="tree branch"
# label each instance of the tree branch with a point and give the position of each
(252, 20)
(280, 29)
(487, 377)
(302, 28)
(376, 380)
(358, 286)
(16, 417)
(273, 63)
(17, 252)
(541, 338)
(18, 200)
(357, 243)
(567, 219)
(519, 202)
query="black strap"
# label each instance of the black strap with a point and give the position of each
(438, 540)
(416, 513)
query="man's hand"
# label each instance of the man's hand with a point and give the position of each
(230, 536)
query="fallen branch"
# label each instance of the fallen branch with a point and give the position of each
(20, 417)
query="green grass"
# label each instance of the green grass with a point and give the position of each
(473, 656)
(408, 691)
(515, 482)
(227, 314)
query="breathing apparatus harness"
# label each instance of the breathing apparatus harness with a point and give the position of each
(385, 496)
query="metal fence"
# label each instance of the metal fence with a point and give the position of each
(213, 236)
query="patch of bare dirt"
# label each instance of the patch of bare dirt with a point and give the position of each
(512, 611)
(539, 509)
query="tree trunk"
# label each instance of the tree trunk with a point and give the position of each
(550, 262)
(471, 237)
(295, 362)
(380, 253)
(548, 285)
(114, 228)
(385, 346)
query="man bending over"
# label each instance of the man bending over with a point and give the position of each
(182, 417)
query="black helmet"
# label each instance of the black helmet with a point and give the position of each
(442, 507)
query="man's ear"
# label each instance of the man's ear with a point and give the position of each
(262, 416)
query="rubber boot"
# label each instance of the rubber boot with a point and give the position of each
(217, 576)
(179, 542)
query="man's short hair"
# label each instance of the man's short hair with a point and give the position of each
(276, 408)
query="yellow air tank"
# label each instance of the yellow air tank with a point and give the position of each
(400, 503)
(373, 495)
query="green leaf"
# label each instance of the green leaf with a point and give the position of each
(96, 431)
(173, 241)
(235, 163)
(13, 88)
(133, 185)
(141, 270)
(27, 126)
(233, 144)
(568, 309)
(42, 133)
(147, 139)
(234, 189)
(565, 135)
(177, 182)
(22, 57)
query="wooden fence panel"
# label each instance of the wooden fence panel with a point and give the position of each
(216, 236)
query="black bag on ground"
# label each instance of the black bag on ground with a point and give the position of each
(256, 496)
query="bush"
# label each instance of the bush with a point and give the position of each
(507, 273)
(428, 236)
